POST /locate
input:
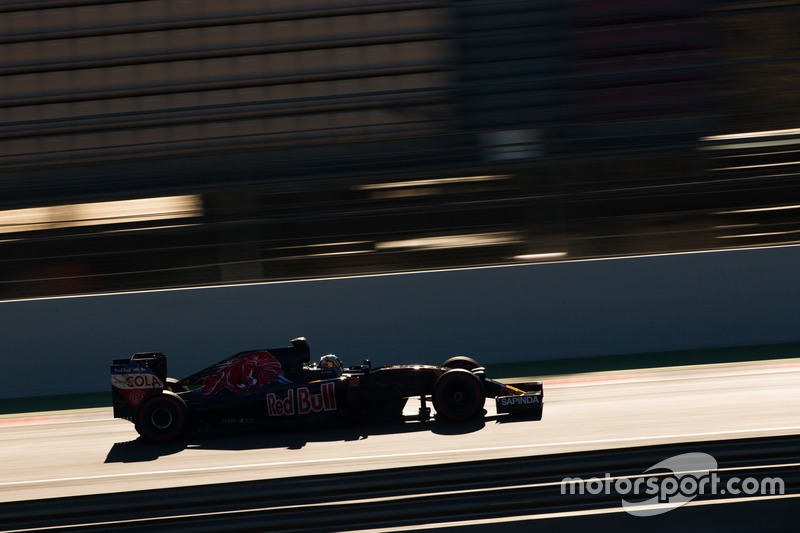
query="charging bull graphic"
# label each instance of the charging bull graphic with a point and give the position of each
(243, 373)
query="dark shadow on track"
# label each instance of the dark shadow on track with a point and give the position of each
(141, 450)
(293, 438)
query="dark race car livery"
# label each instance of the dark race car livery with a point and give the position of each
(242, 373)
(270, 388)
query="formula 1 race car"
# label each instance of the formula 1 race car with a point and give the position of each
(266, 388)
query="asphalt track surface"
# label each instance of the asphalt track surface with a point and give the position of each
(89, 452)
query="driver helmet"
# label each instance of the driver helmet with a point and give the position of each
(331, 362)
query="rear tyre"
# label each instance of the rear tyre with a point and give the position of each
(458, 394)
(461, 361)
(161, 417)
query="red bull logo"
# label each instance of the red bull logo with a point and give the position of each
(243, 373)
(301, 401)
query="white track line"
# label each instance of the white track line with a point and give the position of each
(395, 455)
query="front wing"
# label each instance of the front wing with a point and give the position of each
(525, 399)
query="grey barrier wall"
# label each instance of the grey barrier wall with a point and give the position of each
(499, 314)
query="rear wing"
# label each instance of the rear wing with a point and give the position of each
(135, 378)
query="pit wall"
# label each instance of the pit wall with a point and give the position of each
(496, 315)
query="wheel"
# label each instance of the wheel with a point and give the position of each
(458, 394)
(161, 417)
(461, 361)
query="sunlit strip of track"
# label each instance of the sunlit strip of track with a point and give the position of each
(578, 380)
(670, 374)
(655, 438)
(58, 418)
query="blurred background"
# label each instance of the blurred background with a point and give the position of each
(175, 143)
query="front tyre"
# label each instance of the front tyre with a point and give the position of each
(161, 417)
(458, 394)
